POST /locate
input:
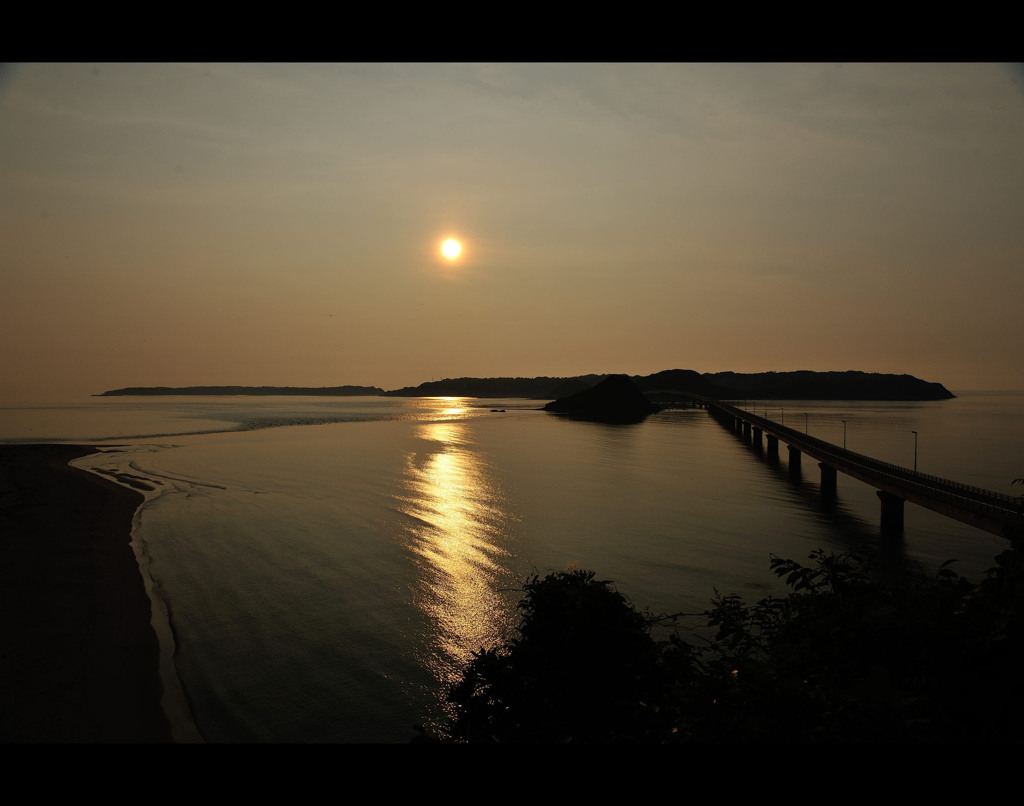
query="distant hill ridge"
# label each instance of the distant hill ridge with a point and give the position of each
(244, 390)
(797, 385)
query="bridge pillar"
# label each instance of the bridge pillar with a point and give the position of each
(773, 447)
(746, 431)
(892, 512)
(828, 480)
(758, 441)
(794, 460)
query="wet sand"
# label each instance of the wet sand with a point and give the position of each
(78, 655)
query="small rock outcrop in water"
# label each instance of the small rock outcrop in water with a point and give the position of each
(616, 399)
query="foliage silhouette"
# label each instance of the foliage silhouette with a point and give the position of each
(845, 657)
(577, 671)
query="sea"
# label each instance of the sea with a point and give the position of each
(322, 568)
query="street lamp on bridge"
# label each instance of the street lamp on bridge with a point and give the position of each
(844, 435)
(915, 450)
(805, 422)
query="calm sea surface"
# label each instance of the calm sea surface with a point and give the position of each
(321, 567)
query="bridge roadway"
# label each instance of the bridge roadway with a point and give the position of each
(996, 513)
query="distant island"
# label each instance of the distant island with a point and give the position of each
(659, 387)
(542, 388)
(343, 391)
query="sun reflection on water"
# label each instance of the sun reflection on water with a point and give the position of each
(457, 535)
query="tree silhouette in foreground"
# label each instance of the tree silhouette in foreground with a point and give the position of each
(579, 669)
(845, 657)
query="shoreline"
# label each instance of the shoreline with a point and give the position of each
(79, 658)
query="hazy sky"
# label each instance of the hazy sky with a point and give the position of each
(280, 224)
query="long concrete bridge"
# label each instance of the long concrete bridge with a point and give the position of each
(996, 513)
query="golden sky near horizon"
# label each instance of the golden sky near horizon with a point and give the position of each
(191, 224)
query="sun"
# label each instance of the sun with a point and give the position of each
(451, 249)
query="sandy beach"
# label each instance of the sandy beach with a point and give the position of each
(78, 655)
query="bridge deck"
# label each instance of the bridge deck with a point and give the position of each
(994, 512)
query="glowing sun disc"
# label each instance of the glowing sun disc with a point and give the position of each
(451, 249)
